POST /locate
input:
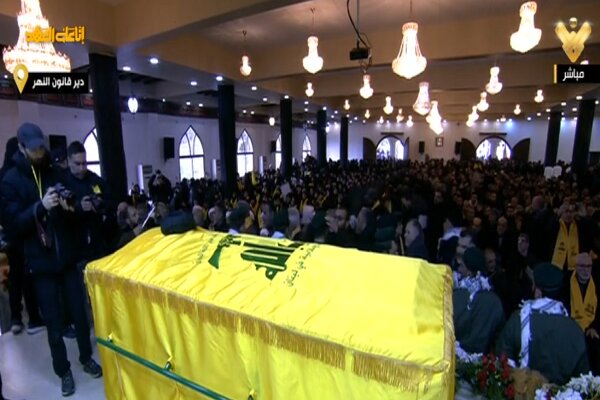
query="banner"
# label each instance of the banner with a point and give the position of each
(211, 315)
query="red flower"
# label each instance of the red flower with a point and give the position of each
(505, 374)
(482, 376)
(510, 392)
(492, 368)
(484, 360)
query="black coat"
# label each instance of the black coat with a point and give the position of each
(25, 217)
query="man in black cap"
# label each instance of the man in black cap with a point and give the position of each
(37, 212)
(541, 336)
(478, 312)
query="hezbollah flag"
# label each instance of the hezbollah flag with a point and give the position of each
(210, 315)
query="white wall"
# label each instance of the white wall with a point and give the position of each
(142, 134)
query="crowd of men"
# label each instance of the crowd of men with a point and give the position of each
(521, 245)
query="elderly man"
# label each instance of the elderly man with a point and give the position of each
(541, 335)
(478, 313)
(584, 306)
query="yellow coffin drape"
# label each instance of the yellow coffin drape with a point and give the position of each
(275, 319)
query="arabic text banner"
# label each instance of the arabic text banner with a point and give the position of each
(181, 316)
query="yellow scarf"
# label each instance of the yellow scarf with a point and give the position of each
(583, 311)
(566, 247)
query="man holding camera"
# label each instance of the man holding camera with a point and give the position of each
(38, 211)
(96, 216)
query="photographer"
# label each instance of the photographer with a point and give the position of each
(37, 211)
(96, 215)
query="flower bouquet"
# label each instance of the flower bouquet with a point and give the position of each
(489, 377)
(585, 387)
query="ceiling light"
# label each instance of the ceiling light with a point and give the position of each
(366, 90)
(539, 97)
(380, 120)
(539, 114)
(574, 109)
(356, 118)
(126, 68)
(306, 110)
(574, 118)
(388, 108)
(434, 117)
(5, 76)
(309, 90)
(596, 102)
(494, 86)
(265, 99)
(244, 111)
(187, 103)
(474, 116)
(578, 98)
(562, 113)
(91, 90)
(399, 117)
(245, 68)
(483, 105)
(347, 115)
(335, 112)
(528, 36)
(422, 104)
(271, 121)
(36, 56)
(163, 100)
(346, 105)
(200, 105)
(132, 104)
(503, 119)
(219, 78)
(409, 122)
(517, 109)
(563, 103)
(548, 110)
(528, 118)
(286, 97)
(324, 108)
(470, 123)
(313, 62)
(409, 62)
(154, 61)
(306, 102)
(194, 83)
(251, 112)
(254, 88)
(367, 114)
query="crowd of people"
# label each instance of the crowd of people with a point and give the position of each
(521, 245)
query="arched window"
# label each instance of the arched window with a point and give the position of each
(278, 152)
(493, 147)
(306, 148)
(245, 154)
(390, 147)
(191, 156)
(92, 153)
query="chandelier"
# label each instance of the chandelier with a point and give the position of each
(539, 97)
(470, 122)
(409, 62)
(37, 57)
(367, 114)
(380, 120)
(423, 105)
(528, 36)
(346, 105)
(409, 122)
(271, 121)
(474, 116)
(388, 108)
(366, 90)
(245, 69)
(434, 118)
(483, 105)
(309, 90)
(399, 117)
(494, 86)
(312, 62)
(517, 109)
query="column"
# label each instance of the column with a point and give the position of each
(344, 141)
(107, 116)
(285, 117)
(227, 143)
(553, 137)
(583, 135)
(321, 138)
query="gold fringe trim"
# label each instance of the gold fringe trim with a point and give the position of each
(449, 337)
(405, 375)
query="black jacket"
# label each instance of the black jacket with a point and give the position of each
(25, 216)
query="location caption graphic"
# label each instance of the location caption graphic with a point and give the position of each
(49, 82)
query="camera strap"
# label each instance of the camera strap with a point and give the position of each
(38, 181)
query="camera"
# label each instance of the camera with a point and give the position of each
(65, 194)
(97, 202)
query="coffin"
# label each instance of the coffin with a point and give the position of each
(210, 315)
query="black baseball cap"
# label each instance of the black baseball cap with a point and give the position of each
(31, 136)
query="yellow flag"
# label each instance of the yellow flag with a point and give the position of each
(244, 315)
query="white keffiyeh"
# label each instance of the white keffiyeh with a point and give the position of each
(472, 284)
(543, 306)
